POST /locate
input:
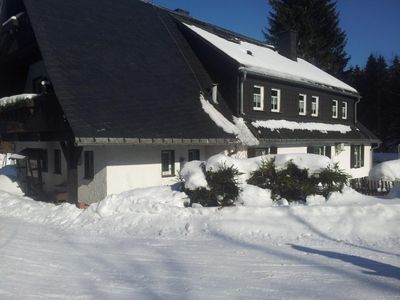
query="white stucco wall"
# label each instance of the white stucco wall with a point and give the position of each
(343, 158)
(52, 182)
(121, 168)
(291, 150)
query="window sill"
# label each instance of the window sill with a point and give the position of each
(167, 176)
(258, 109)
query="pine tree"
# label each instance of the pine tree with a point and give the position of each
(393, 91)
(320, 39)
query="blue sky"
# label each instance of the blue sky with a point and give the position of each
(372, 26)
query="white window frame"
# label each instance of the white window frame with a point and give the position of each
(316, 98)
(278, 100)
(335, 109)
(344, 110)
(303, 113)
(261, 98)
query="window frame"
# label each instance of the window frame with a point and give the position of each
(45, 161)
(357, 158)
(171, 163)
(278, 100)
(261, 108)
(88, 164)
(344, 110)
(193, 152)
(335, 109)
(324, 150)
(316, 98)
(254, 152)
(57, 166)
(305, 104)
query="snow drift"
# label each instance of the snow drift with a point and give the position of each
(388, 170)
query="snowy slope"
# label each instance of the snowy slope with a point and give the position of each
(144, 244)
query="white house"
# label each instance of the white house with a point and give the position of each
(106, 98)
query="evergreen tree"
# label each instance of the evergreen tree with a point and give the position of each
(393, 93)
(320, 39)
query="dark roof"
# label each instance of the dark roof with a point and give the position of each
(285, 136)
(122, 69)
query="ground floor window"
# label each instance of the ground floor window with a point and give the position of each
(193, 154)
(253, 152)
(320, 150)
(89, 164)
(167, 163)
(45, 161)
(57, 161)
(357, 156)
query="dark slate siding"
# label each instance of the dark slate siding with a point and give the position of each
(289, 102)
(122, 69)
(222, 69)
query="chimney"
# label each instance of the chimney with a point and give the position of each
(287, 44)
(182, 12)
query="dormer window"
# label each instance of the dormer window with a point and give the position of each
(42, 85)
(258, 97)
(334, 109)
(344, 110)
(275, 100)
(314, 106)
(302, 104)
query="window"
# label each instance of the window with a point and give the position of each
(45, 161)
(357, 156)
(320, 150)
(193, 154)
(253, 152)
(167, 163)
(42, 85)
(344, 110)
(314, 106)
(302, 104)
(275, 100)
(57, 161)
(89, 165)
(258, 97)
(334, 109)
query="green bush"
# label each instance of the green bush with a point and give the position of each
(223, 188)
(294, 183)
(331, 179)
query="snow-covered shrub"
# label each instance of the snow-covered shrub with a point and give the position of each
(265, 176)
(330, 179)
(294, 183)
(222, 188)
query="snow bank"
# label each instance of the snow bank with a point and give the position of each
(310, 126)
(9, 185)
(160, 212)
(193, 175)
(239, 129)
(252, 195)
(16, 98)
(312, 162)
(388, 170)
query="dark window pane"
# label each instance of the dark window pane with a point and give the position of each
(57, 161)
(193, 154)
(89, 165)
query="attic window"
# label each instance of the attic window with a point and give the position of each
(249, 52)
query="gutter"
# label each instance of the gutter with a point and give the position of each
(304, 83)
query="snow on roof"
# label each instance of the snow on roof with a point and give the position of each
(238, 128)
(5, 101)
(310, 126)
(266, 61)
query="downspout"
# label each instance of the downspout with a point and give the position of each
(355, 109)
(242, 80)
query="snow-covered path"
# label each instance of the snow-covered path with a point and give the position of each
(40, 261)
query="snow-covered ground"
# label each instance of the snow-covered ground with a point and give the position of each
(144, 244)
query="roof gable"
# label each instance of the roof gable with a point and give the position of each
(122, 69)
